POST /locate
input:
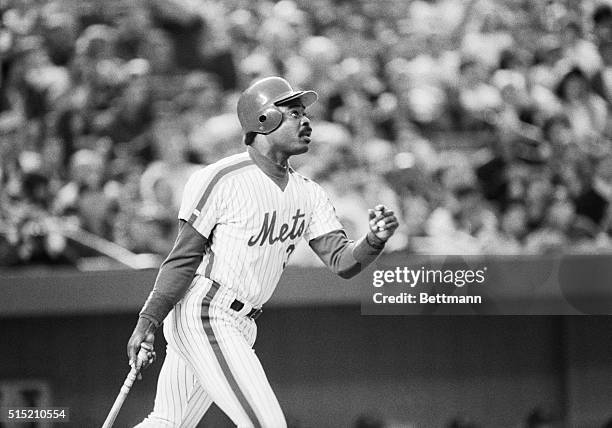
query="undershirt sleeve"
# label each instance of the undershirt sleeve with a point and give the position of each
(345, 257)
(175, 274)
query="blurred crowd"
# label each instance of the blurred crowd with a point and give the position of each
(484, 123)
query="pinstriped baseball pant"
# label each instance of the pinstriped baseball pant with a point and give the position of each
(210, 358)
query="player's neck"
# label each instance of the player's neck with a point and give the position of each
(279, 159)
(267, 163)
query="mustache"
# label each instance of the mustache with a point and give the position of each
(306, 130)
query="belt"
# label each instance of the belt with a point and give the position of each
(254, 313)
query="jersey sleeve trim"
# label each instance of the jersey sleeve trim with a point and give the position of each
(211, 184)
(324, 218)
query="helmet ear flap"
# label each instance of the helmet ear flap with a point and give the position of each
(269, 119)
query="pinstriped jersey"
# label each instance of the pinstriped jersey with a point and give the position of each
(252, 225)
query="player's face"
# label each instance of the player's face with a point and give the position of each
(293, 135)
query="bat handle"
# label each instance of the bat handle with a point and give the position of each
(133, 374)
(125, 389)
(129, 380)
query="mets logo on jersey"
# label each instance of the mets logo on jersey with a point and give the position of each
(269, 234)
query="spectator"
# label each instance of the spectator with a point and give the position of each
(582, 53)
(594, 202)
(513, 229)
(477, 97)
(122, 103)
(569, 164)
(84, 195)
(586, 111)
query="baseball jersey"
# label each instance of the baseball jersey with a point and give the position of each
(252, 220)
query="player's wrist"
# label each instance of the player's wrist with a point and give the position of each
(374, 241)
(147, 323)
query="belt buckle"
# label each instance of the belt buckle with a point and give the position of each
(256, 313)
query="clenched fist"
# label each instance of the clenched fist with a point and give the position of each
(382, 222)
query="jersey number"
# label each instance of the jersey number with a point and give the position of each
(290, 249)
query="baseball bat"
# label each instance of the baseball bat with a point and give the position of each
(123, 392)
(110, 249)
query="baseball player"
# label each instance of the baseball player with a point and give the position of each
(240, 220)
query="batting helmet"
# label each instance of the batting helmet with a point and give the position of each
(257, 109)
